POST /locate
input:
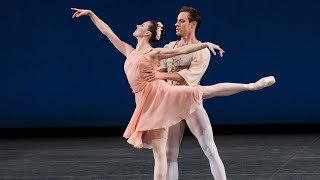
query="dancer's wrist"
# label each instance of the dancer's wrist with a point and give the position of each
(161, 75)
(90, 13)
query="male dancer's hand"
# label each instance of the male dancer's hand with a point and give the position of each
(154, 75)
(149, 73)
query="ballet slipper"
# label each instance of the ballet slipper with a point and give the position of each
(261, 83)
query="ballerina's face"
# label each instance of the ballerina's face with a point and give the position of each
(142, 29)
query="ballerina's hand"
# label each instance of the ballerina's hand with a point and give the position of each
(214, 47)
(80, 12)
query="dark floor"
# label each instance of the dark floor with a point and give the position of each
(246, 157)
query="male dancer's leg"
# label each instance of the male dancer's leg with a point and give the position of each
(200, 126)
(175, 135)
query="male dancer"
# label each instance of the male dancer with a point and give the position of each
(188, 70)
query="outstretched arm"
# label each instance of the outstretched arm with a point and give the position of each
(163, 53)
(123, 47)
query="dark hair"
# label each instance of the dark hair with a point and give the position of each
(194, 15)
(153, 29)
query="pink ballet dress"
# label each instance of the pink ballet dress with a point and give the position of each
(158, 104)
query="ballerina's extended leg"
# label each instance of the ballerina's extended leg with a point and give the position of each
(228, 89)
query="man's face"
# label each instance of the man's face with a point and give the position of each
(183, 26)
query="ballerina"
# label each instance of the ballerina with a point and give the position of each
(159, 105)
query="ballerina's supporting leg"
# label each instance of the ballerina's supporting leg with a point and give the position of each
(228, 89)
(175, 135)
(160, 158)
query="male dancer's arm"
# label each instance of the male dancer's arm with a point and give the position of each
(190, 76)
(149, 74)
(173, 76)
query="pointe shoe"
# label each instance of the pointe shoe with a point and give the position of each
(262, 83)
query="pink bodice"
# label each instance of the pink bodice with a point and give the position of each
(132, 68)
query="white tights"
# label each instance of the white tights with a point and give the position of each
(166, 151)
(199, 124)
(160, 158)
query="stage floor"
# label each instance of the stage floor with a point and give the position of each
(246, 157)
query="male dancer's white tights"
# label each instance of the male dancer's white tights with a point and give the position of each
(199, 124)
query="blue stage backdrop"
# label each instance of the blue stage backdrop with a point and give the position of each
(61, 72)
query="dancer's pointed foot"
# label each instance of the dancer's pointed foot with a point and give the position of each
(261, 83)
